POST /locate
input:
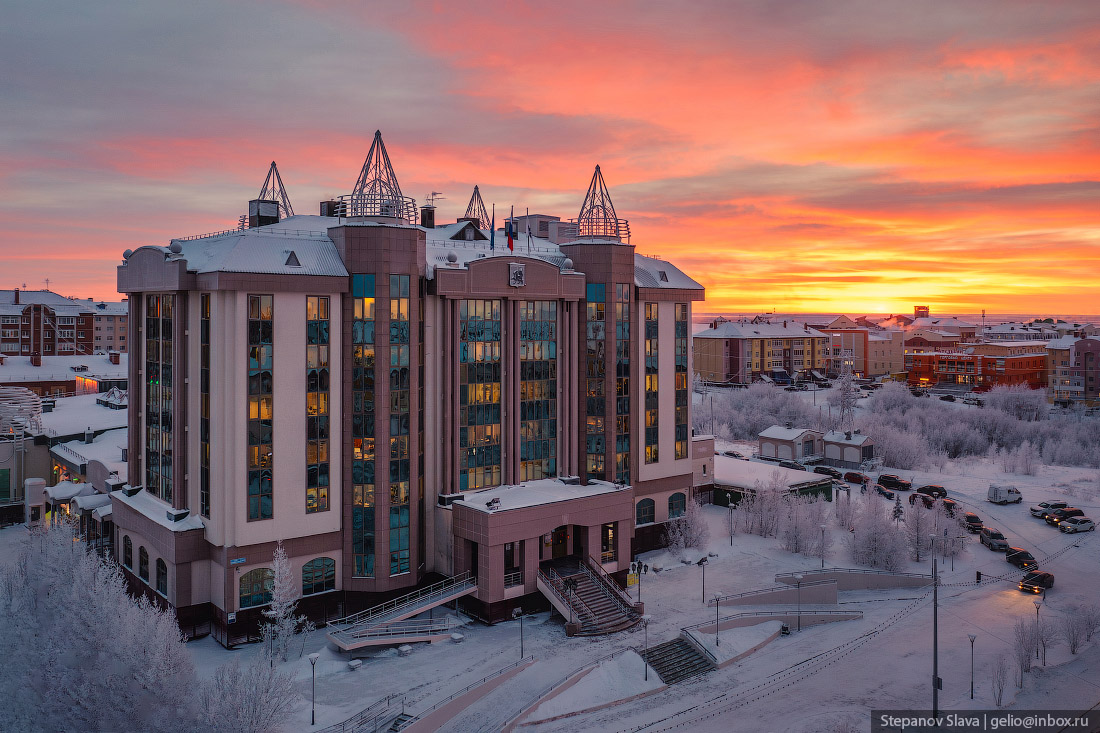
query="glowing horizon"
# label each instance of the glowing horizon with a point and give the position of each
(822, 157)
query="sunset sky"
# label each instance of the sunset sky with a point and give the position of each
(856, 157)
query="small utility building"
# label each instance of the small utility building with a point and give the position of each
(798, 444)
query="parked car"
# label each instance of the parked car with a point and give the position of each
(1054, 518)
(1020, 557)
(1072, 525)
(1003, 494)
(947, 397)
(992, 539)
(933, 490)
(1040, 510)
(735, 454)
(867, 387)
(883, 491)
(976, 401)
(855, 477)
(892, 481)
(1036, 581)
(972, 522)
(929, 502)
(950, 506)
(828, 471)
(787, 463)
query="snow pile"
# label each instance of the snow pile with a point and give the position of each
(736, 641)
(613, 679)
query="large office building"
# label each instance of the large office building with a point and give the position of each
(396, 401)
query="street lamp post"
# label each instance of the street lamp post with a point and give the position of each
(703, 565)
(313, 710)
(639, 569)
(518, 613)
(972, 638)
(729, 505)
(717, 605)
(823, 547)
(645, 628)
(937, 683)
(1038, 605)
(798, 590)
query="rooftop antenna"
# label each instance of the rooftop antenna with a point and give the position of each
(476, 210)
(377, 192)
(47, 284)
(434, 196)
(597, 217)
(273, 190)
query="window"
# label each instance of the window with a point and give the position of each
(143, 564)
(318, 576)
(399, 413)
(362, 425)
(677, 505)
(479, 375)
(538, 389)
(681, 385)
(652, 324)
(162, 578)
(256, 587)
(608, 545)
(646, 512)
(159, 376)
(317, 394)
(260, 399)
(204, 405)
(127, 552)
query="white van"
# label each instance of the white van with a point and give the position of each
(1004, 494)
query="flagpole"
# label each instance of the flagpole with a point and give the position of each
(528, 219)
(493, 230)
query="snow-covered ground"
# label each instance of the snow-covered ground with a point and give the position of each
(807, 681)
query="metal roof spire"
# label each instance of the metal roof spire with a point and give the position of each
(273, 190)
(377, 192)
(598, 217)
(476, 210)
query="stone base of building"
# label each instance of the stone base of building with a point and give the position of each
(492, 613)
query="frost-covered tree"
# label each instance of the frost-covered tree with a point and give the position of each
(1000, 678)
(1019, 401)
(1090, 620)
(1023, 638)
(1071, 628)
(844, 397)
(254, 698)
(918, 526)
(70, 628)
(283, 622)
(1046, 636)
(689, 531)
(899, 511)
(874, 542)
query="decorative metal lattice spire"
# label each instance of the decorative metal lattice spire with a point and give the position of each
(273, 191)
(476, 210)
(377, 192)
(598, 217)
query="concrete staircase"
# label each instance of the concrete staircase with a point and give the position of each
(597, 604)
(677, 660)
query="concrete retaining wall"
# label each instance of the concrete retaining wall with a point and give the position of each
(817, 593)
(860, 581)
(440, 716)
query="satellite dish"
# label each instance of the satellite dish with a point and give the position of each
(127, 253)
(175, 248)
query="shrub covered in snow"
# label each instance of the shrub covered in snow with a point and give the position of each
(689, 531)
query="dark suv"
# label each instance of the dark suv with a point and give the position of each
(1056, 516)
(855, 477)
(933, 490)
(892, 481)
(992, 539)
(1020, 557)
(929, 502)
(1036, 581)
(972, 522)
(829, 471)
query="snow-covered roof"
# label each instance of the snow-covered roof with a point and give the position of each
(105, 448)
(1063, 342)
(778, 432)
(930, 322)
(836, 436)
(156, 510)
(536, 493)
(66, 490)
(101, 513)
(110, 308)
(650, 272)
(92, 501)
(58, 303)
(74, 415)
(746, 474)
(745, 329)
(59, 368)
(267, 250)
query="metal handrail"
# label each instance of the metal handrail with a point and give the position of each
(758, 614)
(413, 627)
(373, 711)
(772, 589)
(853, 570)
(565, 598)
(428, 711)
(442, 588)
(513, 579)
(608, 586)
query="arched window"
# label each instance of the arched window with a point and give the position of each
(647, 512)
(318, 575)
(677, 505)
(162, 578)
(256, 587)
(143, 564)
(127, 552)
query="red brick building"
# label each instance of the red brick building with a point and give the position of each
(982, 366)
(43, 323)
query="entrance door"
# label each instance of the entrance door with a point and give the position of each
(559, 543)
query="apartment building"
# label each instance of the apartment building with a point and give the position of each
(743, 351)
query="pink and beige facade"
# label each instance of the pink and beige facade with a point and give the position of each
(359, 387)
